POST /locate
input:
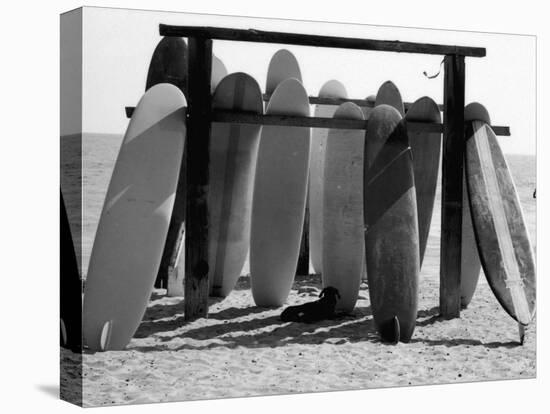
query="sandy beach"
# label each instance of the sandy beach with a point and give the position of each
(242, 350)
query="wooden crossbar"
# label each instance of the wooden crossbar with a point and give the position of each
(317, 122)
(252, 35)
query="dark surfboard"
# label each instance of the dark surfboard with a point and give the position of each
(426, 151)
(70, 287)
(169, 64)
(391, 225)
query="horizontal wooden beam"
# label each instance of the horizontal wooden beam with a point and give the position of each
(311, 122)
(260, 36)
(315, 122)
(364, 103)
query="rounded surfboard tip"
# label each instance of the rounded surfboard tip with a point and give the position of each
(63, 332)
(421, 107)
(234, 84)
(290, 90)
(389, 94)
(476, 112)
(283, 65)
(167, 99)
(168, 63)
(371, 98)
(384, 110)
(168, 96)
(349, 110)
(333, 89)
(388, 84)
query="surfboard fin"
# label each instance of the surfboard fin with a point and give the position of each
(396, 330)
(105, 338)
(521, 329)
(63, 333)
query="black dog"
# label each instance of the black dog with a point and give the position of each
(313, 311)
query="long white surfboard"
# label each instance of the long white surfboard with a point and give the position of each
(343, 233)
(331, 89)
(134, 222)
(279, 198)
(233, 152)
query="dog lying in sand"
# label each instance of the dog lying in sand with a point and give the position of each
(313, 311)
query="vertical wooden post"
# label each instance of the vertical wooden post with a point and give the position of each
(198, 161)
(451, 204)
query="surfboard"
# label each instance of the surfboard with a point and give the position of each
(134, 221)
(391, 225)
(168, 64)
(233, 152)
(70, 292)
(343, 235)
(426, 151)
(219, 71)
(388, 94)
(331, 89)
(503, 242)
(279, 198)
(371, 99)
(470, 263)
(283, 65)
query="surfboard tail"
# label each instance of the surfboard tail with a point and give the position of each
(391, 331)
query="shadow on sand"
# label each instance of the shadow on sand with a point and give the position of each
(271, 332)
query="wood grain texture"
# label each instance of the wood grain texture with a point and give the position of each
(451, 187)
(198, 167)
(252, 35)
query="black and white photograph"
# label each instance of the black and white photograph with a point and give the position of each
(271, 206)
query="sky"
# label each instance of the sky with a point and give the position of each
(118, 44)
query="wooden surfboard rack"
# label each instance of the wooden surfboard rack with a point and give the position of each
(200, 116)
